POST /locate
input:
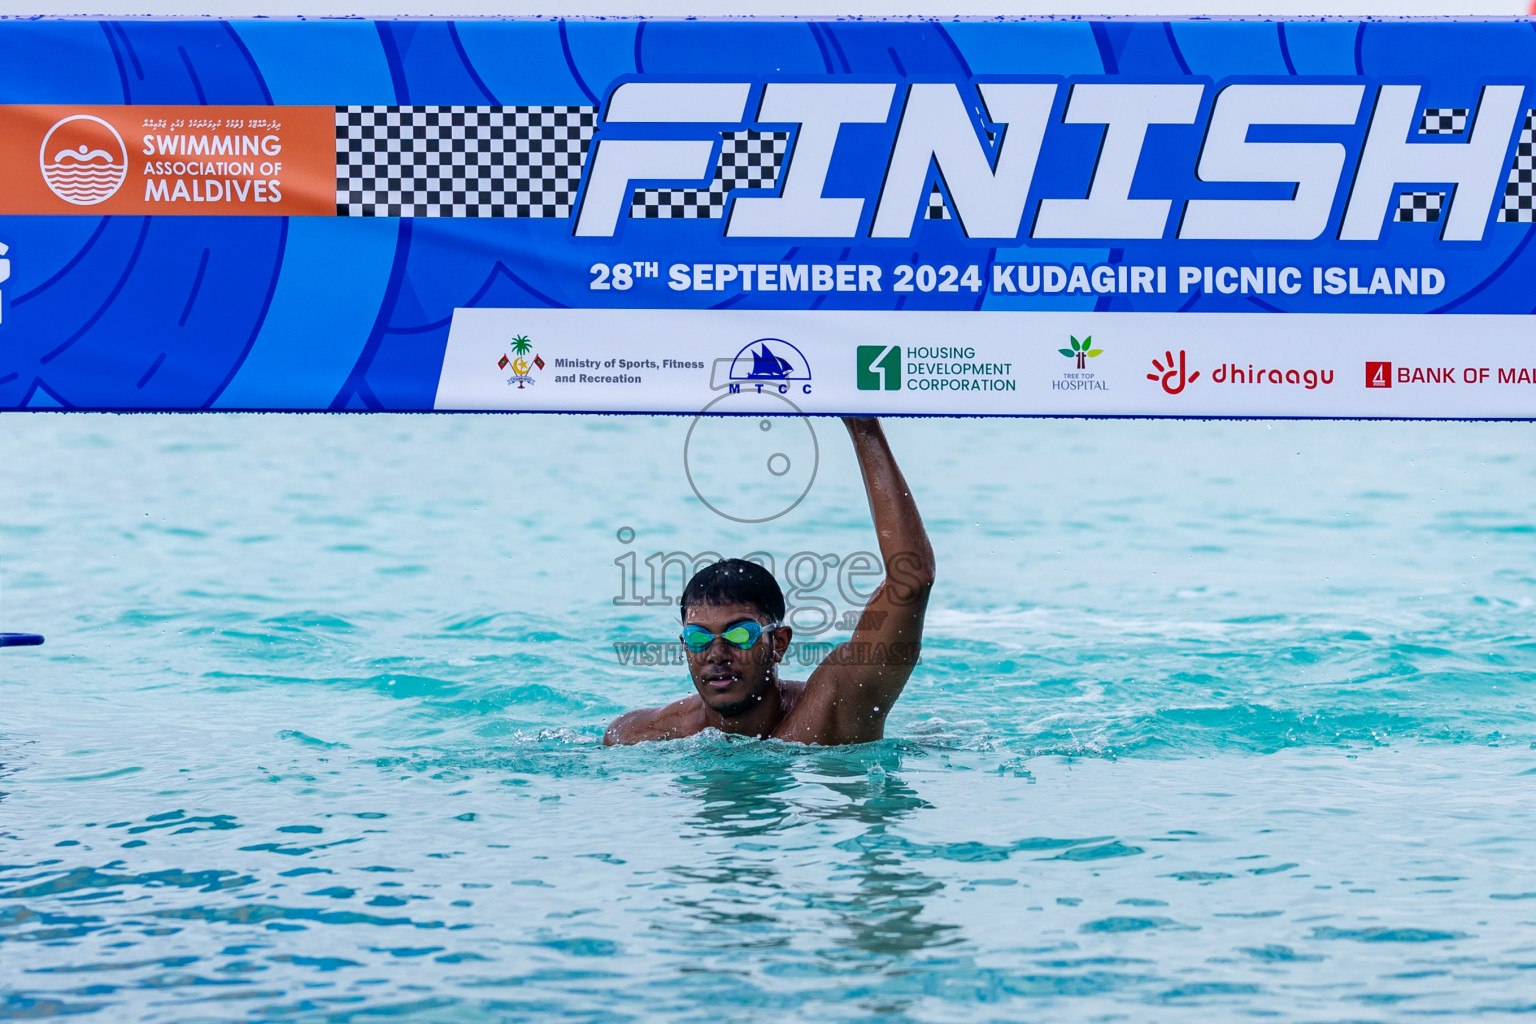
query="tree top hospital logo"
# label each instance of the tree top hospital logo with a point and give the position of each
(83, 159)
(1082, 351)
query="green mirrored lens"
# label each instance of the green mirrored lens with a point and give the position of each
(696, 638)
(741, 636)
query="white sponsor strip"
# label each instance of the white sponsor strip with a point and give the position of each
(888, 362)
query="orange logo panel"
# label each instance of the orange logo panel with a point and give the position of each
(138, 160)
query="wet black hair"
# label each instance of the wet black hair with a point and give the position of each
(735, 581)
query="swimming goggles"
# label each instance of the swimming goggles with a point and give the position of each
(741, 634)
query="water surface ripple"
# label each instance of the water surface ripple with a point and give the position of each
(1214, 721)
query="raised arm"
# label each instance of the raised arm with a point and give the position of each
(862, 678)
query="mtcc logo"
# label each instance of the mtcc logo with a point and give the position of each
(770, 365)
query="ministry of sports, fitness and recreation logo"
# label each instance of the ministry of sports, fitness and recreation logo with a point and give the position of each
(878, 367)
(769, 364)
(522, 366)
(83, 159)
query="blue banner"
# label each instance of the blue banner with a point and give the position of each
(1118, 217)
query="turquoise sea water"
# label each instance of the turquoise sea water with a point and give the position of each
(1215, 721)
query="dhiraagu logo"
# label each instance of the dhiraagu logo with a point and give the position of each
(879, 367)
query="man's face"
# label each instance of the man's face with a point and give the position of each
(732, 681)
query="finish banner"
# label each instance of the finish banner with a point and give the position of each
(1027, 217)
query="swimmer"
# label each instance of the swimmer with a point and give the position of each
(734, 636)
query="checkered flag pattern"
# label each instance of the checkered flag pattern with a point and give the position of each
(936, 210)
(1420, 207)
(678, 203)
(1443, 121)
(1520, 190)
(748, 159)
(460, 161)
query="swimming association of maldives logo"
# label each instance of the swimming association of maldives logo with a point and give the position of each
(522, 366)
(83, 159)
(771, 363)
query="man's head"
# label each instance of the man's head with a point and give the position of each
(730, 593)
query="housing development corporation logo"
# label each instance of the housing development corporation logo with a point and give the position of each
(83, 160)
(878, 367)
(928, 368)
(522, 366)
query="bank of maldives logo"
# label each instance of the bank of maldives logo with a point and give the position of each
(83, 159)
(879, 367)
(1378, 375)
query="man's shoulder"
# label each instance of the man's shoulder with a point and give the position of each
(675, 720)
(790, 693)
(819, 711)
